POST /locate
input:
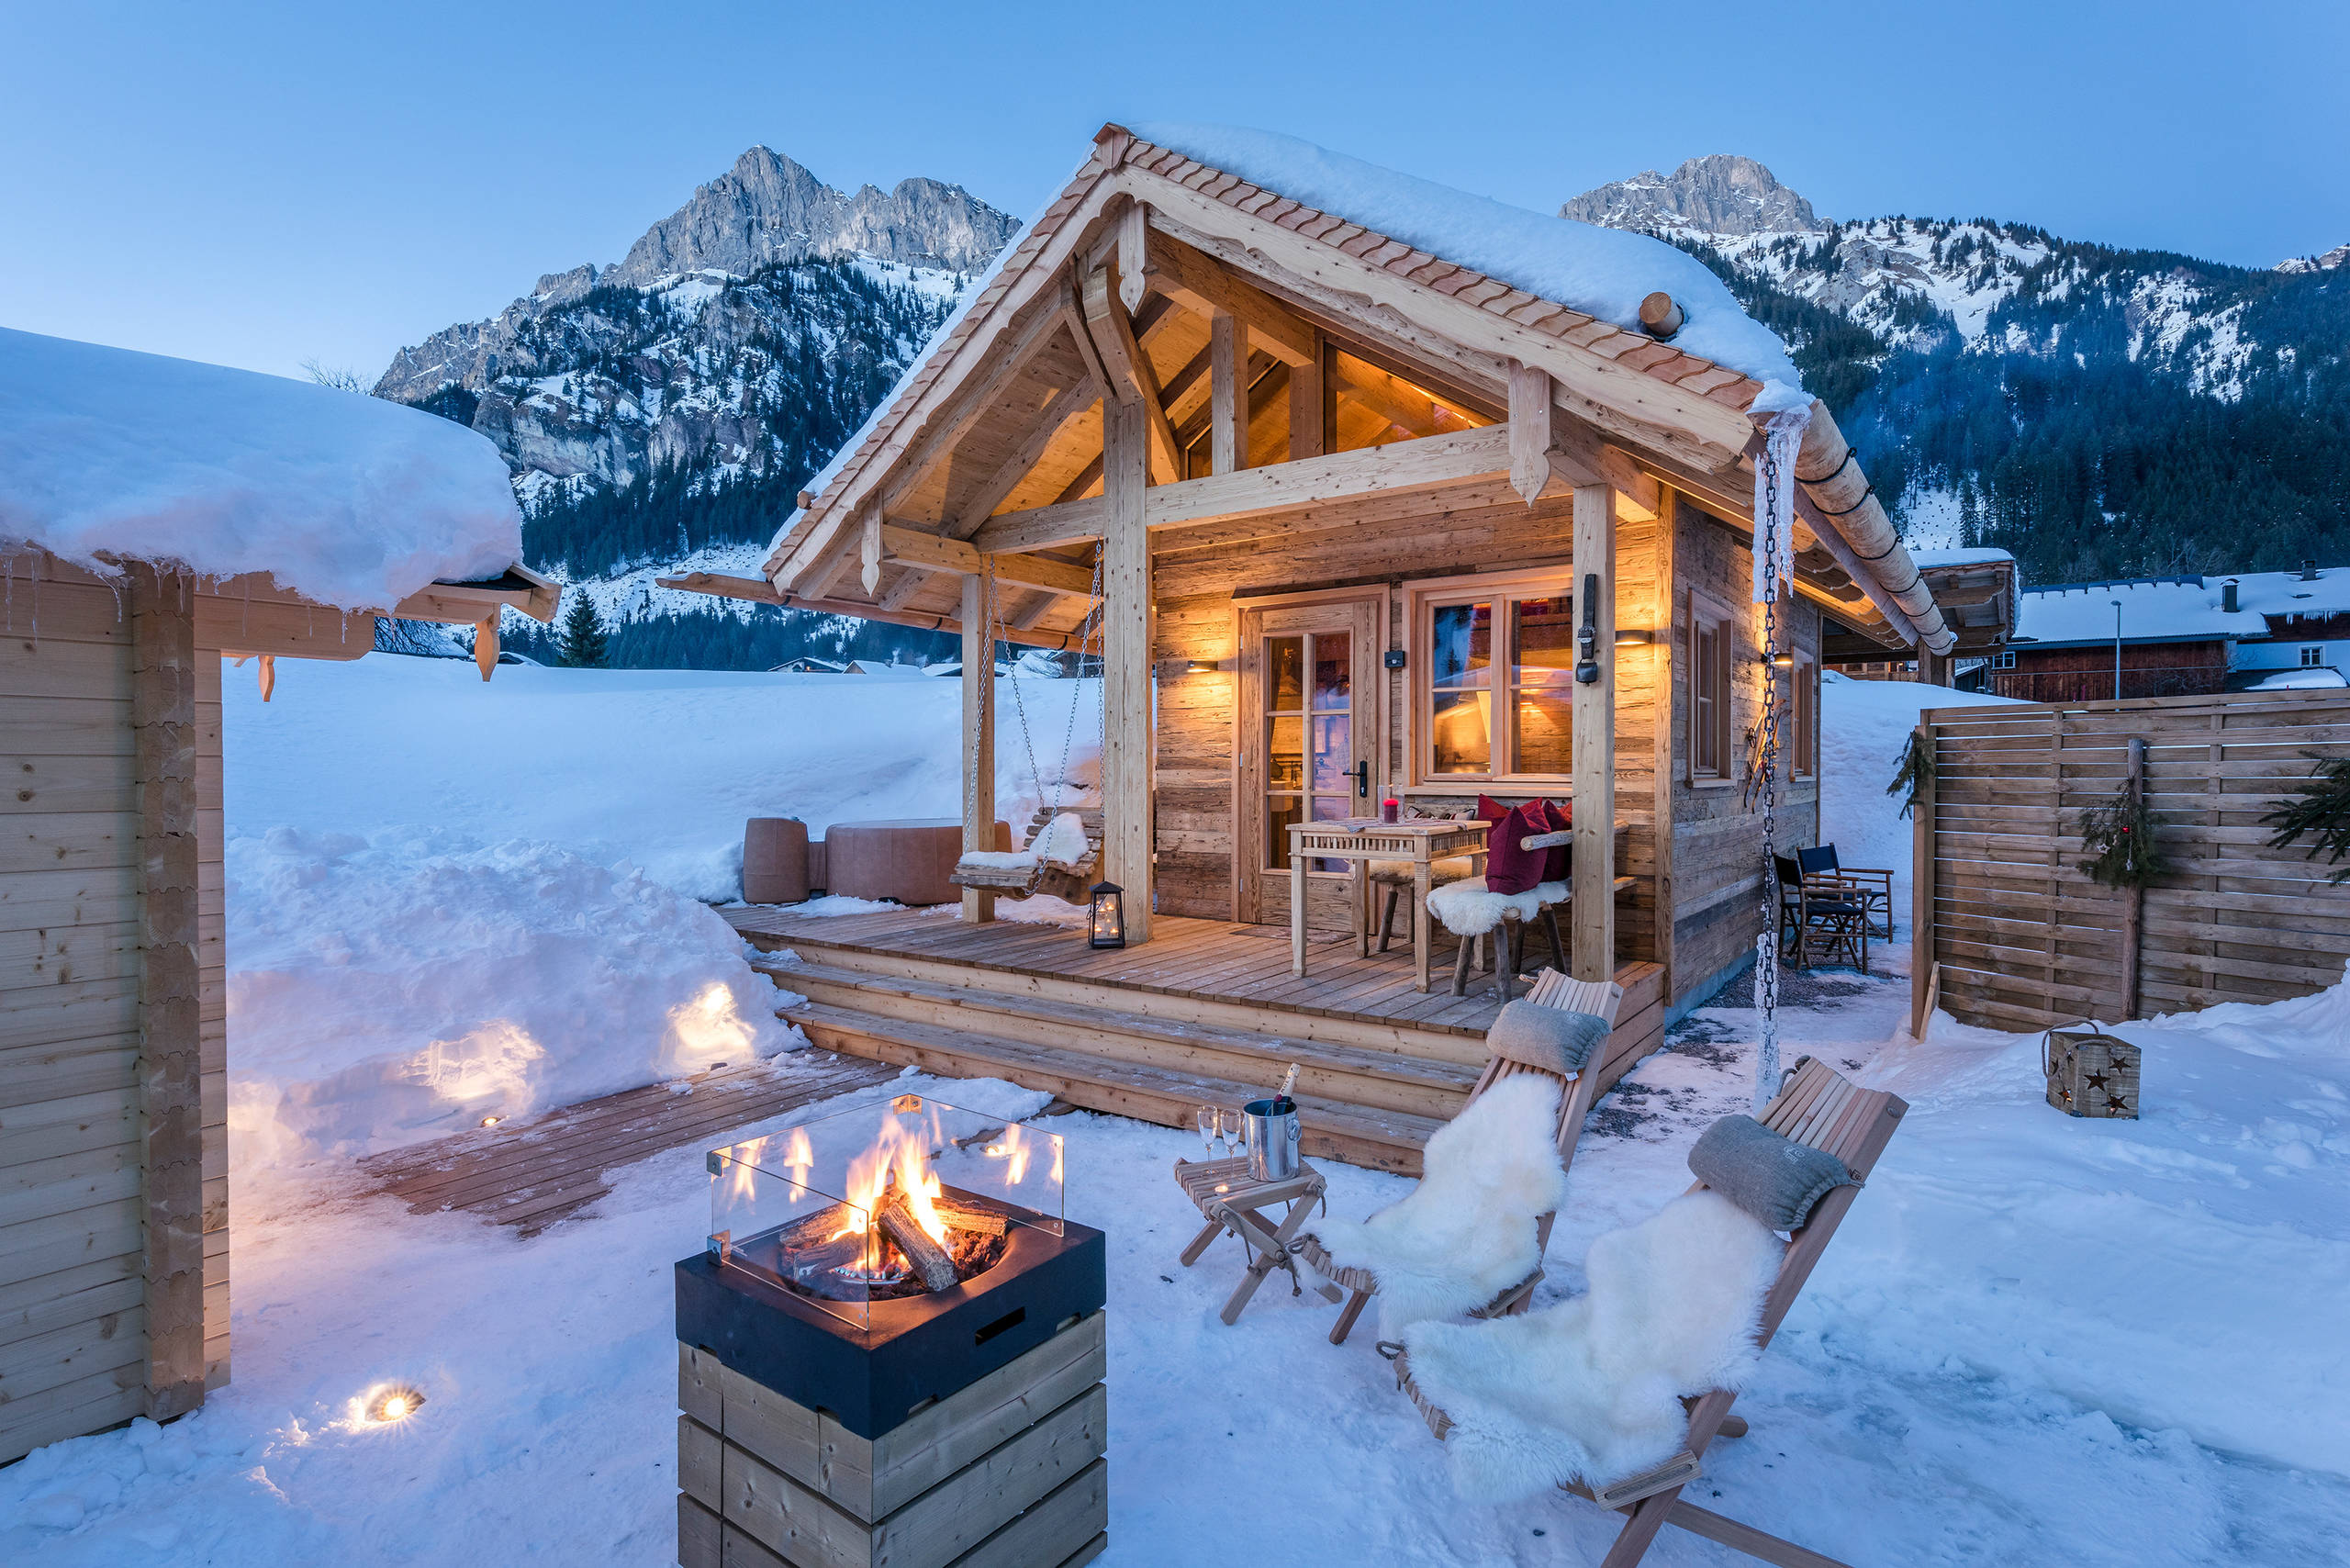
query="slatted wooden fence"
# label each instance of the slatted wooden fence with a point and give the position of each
(2011, 936)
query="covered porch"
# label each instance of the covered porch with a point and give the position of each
(1208, 1013)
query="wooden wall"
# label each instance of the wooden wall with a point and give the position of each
(1716, 877)
(1393, 542)
(2023, 939)
(73, 1315)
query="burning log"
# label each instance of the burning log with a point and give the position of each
(932, 1263)
(982, 1222)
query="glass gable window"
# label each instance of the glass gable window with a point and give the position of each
(1495, 696)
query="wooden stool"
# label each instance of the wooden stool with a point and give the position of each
(1230, 1201)
(1508, 948)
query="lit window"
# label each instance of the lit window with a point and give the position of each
(1496, 700)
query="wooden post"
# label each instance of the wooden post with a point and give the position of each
(1228, 399)
(485, 645)
(1530, 430)
(1592, 952)
(163, 717)
(2133, 912)
(1667, 731)
(979, 727)
(1308, 407)
(1126, 663)
(1921, 896)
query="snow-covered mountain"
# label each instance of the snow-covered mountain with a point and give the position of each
(673, 401)
(2012, 388)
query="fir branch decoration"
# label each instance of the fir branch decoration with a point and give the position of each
(2322, 809)
(1917, 772)
(2119, 838)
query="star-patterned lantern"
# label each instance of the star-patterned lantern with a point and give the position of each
(2090, 1073)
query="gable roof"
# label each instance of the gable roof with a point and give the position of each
(2181, 608)
(1690, 413)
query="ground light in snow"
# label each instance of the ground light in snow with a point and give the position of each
(390, 1405)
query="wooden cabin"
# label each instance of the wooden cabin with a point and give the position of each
(1330, 491)
(113, 1035)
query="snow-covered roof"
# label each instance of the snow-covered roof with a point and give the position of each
(1974, 556)
(1600, 272)
(346, 499)
(2178, 609)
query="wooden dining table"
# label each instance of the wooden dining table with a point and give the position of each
(1359, 841)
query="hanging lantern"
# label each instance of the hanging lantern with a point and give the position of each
(1109, 917)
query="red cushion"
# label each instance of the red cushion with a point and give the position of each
(1562, 819)
(1509, 869)
(1490, 810)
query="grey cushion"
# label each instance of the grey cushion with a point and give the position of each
(1776, 1179)
(1550, 1039)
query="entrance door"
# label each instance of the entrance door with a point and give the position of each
(1311, 741)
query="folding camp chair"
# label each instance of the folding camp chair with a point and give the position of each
(1872, 885)
(1817, 1106)
(1600, 998)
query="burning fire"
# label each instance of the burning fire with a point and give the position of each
(896, 1159)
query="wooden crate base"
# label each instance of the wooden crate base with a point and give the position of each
(1006, 1473)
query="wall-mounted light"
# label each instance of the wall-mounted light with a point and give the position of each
(1200, 667)
(1633, 636)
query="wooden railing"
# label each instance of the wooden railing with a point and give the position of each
(2010, 935)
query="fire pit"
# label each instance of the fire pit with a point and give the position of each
(892, 1340)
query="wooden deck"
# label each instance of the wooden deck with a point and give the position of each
(1206, 1012)
(532, 1171)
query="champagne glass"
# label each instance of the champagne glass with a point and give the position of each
(1211, 1123)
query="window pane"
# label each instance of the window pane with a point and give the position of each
(1462, 731)
(1333, 751)
(1461, 646)
(1280, 811)
(1542, 631)
(1332, 670)
(1285, 673)
(1285, 754)
(1545, 739)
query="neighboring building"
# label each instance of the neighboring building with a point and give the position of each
(1977, 591)
(808, 664)
(156, 517)
(2182, 636)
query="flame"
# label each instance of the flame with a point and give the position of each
(1014, 1147)
(896, 1158)
(798, 1158)
(744, 1158)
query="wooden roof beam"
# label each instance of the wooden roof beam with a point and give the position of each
(932, 553)
(758, 590)
(1130, 377)
(1430, 463)
(1063, 407)
(1207, 287)
(974, 401)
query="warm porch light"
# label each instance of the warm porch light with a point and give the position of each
(1108, 923)
(1202, 666)
(1633, 636)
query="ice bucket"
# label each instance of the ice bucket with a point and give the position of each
(1271, 1137)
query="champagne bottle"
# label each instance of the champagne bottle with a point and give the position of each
(1282, 1105)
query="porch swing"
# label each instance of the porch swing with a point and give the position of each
(1061, 856)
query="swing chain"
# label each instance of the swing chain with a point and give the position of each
(1766, 957)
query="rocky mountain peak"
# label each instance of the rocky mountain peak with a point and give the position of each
(768, 208)
(2338, 256)
(1719, 194)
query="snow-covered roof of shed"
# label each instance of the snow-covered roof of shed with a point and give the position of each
(346, 499)
(1601, 272)
(2177, 609)
(1973, 555)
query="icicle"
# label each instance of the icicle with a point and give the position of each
(8, 566)
(36, 577)
(1774, 493)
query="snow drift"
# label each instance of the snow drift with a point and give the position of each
(390, 989)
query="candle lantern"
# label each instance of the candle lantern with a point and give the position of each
(1109, 917)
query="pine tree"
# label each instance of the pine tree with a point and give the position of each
(582, 641)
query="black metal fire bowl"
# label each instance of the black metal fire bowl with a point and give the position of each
(914, 1349)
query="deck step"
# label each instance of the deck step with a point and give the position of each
(1380, 1080)
(1357, 1135)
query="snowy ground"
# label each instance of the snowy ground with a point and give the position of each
(2035, 1339)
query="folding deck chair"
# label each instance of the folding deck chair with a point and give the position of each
(1551, 989)
(1819, 1107)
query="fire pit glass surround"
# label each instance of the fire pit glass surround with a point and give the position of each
(882, 1204)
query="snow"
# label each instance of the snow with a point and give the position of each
(2300, 680)
(406, 985)
(2035, 1339)
(350, 500)
(659, 769)
(1601, 272)
(2178, 608)
(1864, 727)
(1976, 555)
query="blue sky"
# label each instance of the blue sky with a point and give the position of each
(259, 185)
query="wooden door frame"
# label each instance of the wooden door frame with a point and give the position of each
(1370, 703)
